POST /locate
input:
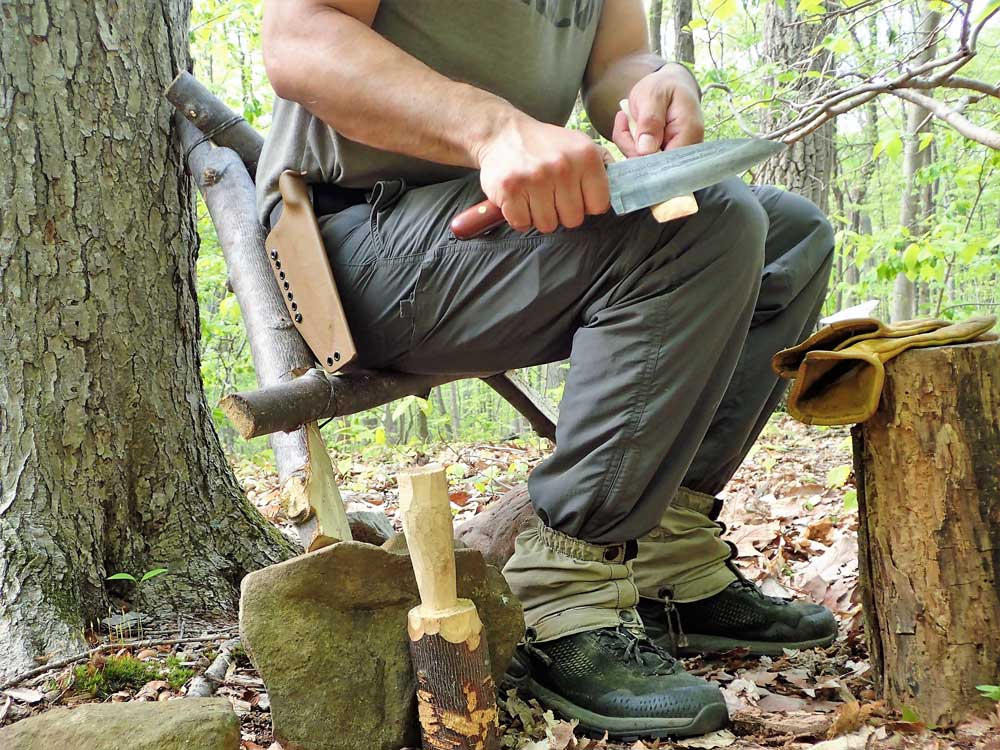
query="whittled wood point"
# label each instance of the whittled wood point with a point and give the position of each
(427, 524)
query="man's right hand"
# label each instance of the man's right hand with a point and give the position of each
(541, 175)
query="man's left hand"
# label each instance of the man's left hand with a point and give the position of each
(667, 111)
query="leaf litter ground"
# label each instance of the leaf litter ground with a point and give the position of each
(791, 510)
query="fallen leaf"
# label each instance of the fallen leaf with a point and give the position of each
(561, 735)
(846, 720)
(722, 738)
(459, 497)
(25, 695)
(146, 653)
(772, 702)
(855, 741)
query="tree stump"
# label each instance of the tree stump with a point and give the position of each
(929, 504)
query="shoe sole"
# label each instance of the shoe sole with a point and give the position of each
(715, 644)
(709, 719)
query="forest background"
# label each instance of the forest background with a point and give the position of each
(914, 202)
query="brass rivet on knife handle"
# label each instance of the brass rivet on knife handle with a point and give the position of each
(477, 220)
(675, 208)
(456, 695)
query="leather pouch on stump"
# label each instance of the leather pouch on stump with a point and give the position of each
(839, 371)
(302, 270)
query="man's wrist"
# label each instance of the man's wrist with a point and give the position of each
(681, 72)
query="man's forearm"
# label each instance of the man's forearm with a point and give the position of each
(602, 95)
(373, 92)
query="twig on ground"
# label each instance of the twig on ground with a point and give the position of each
(204, 686)
(84, 655)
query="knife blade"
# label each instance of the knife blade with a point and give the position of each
(644, 181)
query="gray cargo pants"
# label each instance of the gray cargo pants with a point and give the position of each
(669, 329)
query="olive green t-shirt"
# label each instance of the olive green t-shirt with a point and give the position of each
(532, 53)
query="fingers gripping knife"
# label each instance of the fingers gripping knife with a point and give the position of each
(456, 696)
(302, 270)
(652, 180)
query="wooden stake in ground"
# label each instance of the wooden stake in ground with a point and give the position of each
(456, 696)
(929, 504)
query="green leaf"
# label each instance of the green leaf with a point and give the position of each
(851, 500)
(910, 716)
(990, 691)
(380, 438)
(925, 140)
(152, 574)
(122, 577)
(911, 256)
(838, 475)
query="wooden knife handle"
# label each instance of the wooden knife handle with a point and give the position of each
(477, 220)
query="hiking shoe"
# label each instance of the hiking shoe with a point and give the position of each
(613, 680)
(739, 616)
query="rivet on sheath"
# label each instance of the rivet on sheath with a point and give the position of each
(286, 285)
(295, 306)
(281, 275)
(289, 296)
(274, 254)
(277, 264)
(336, 356)
(298, 317)
(329, 360)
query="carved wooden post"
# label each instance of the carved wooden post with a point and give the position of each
(928, 469)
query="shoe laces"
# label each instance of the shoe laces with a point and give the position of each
(742, 582)
(629, 646)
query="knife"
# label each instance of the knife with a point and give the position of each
(644, 181)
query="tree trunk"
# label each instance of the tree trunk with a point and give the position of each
(683, 40)
(806, 167)
(929, 500)
(918, 121)
(108, 459)
(656, 27)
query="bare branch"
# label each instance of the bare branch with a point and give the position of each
(945, 113)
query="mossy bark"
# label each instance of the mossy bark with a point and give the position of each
(108, 458)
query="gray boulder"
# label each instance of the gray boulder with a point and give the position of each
(202, 723)
(369, 526)
(327, 631)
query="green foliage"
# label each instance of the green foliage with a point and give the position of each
(116, 673)
(177, 674)
(145, 576)
(992, 692)
(952, 254)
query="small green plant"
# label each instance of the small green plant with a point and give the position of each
(145, 576)
(991, 692)
(116, 673)
(177, 674)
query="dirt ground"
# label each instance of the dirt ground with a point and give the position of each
(792, 512)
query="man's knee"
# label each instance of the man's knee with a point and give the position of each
(739, 226)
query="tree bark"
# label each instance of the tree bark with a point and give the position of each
(108, 459)
(656, 27)
(805, 167)
(683, 40)
(918, 121)
(929, 501)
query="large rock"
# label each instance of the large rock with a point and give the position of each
(327, 631)
(369, 526)
(202, 723)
